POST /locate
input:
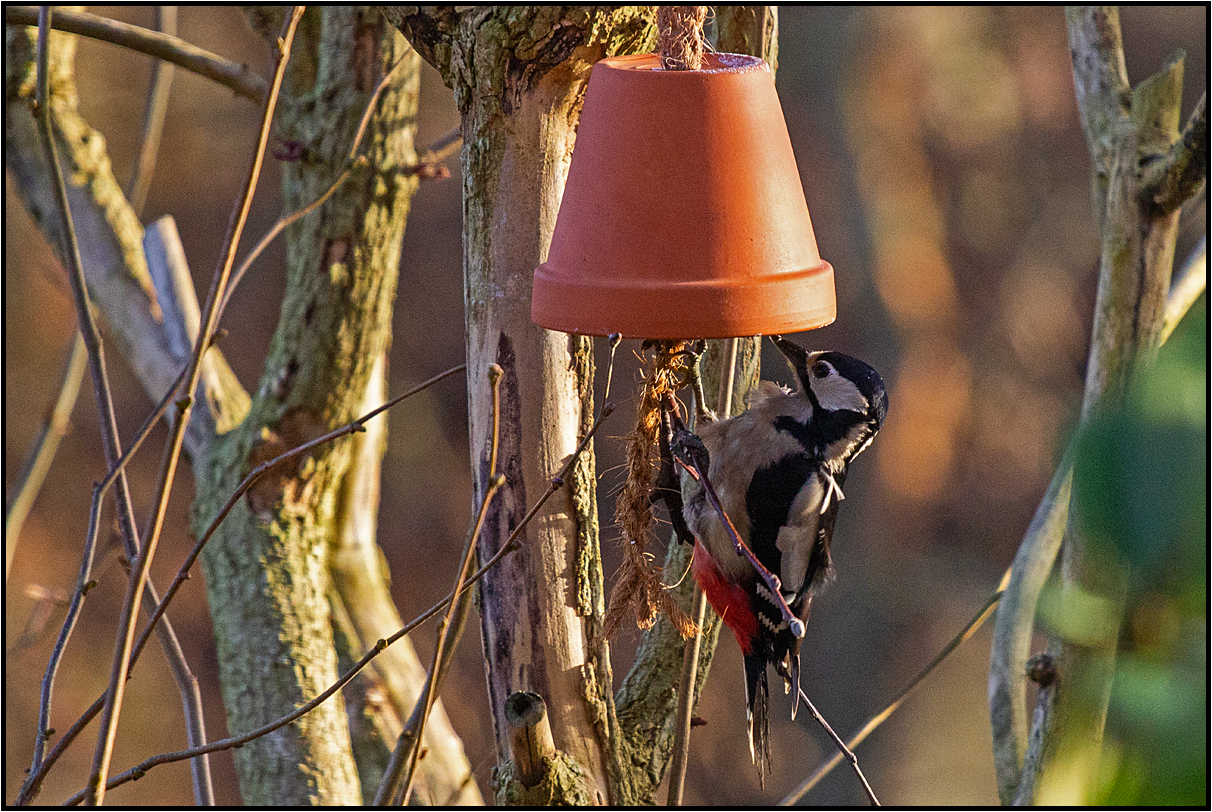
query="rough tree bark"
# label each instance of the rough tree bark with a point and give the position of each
(309, 537)
(1134, 141)
(518, 75)
(268, 567)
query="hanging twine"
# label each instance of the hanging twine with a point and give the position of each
(638, 583)
(680, 36)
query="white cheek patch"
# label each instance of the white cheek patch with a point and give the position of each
(838, 392)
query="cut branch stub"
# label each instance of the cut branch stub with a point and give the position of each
(531, 741)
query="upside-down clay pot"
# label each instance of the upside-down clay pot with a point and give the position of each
(683, 215)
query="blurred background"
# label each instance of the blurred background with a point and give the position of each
(948, 182)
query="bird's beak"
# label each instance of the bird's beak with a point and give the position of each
(796, 355)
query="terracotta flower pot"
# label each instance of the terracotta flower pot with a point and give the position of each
(683, 215)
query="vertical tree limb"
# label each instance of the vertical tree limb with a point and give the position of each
(517, 75)
(267, 566)
(1124, 129)
(378, 702)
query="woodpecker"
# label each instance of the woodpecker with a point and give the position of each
(777, 470)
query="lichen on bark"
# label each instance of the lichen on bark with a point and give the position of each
(267, 567)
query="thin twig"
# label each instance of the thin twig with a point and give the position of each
(614, 341)
(354, 161)
(841, 746)
(42, 452)
(966, 633)
(100, 379)
(452, 624)
(241, 80)
(32, 784)
(681, 735)
(1188, 284)
(442, 148)
(183, 573)
(154, 111)
(260, 471)
(130, 608)
(690, 651)
(510, 545)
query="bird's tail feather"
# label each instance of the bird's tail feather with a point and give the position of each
(758, 700)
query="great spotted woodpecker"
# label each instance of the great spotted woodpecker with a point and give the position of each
(777, 470)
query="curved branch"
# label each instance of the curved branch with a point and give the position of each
(1191, 281)
(239, 78)
(1014, 625)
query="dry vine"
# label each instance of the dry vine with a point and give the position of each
(638, 584)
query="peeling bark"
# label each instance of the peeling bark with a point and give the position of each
(518, 76)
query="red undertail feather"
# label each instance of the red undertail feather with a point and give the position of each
(729, 600)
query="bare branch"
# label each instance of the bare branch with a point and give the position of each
(510, 545)
(965, 634)
(130, 608)
(113, 260)
(1014, 626)
(1137, 254)
(251, 479)
(101, 390)
(239, 78)
(286, 219)
(452, 624)
(42, 452)
(1100, 75)
(843, 750)
(227, 402)
(692, 648)
(686, 699)
(1191, 281)
(154, 111)
(1025, 794)
(1170, 182)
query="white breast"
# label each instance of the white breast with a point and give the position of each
(796, 538)
(739, 447)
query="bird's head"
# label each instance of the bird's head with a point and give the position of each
(836, 383)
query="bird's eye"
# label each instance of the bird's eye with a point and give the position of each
(821, 369)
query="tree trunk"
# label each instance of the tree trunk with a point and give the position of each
(310, 535)
(518, 74)
(267, 568)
